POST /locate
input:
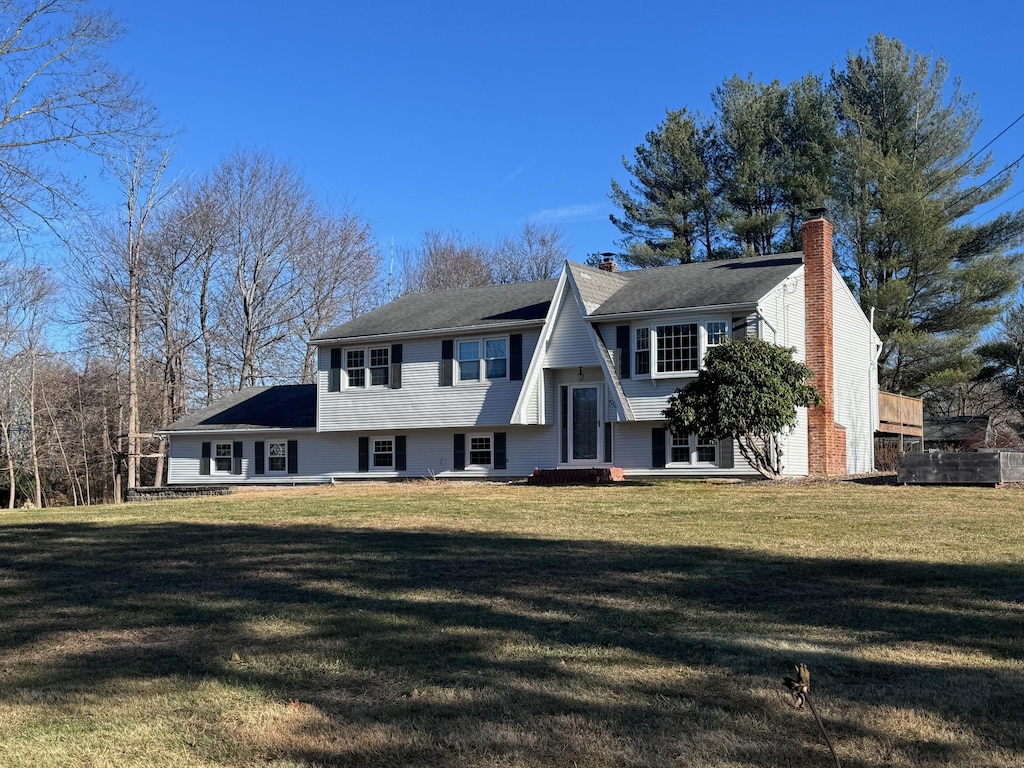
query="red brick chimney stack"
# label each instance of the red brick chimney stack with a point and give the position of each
(826, 439)
(608, 263)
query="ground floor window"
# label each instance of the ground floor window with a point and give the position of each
(480, 450)
(222, 457)
(692, 450)
(277, 456)
(383, 453)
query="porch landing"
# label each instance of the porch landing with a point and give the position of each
(581, 476)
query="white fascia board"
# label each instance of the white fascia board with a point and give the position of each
(610, 376)
(239, 431)
(640, 314)
(536, 367)
(453, 331)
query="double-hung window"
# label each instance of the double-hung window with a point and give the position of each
(692, 450)
(277, 456)
(481, 450)
(482, 359)
(642, 365)
(383, 453)
(368, 367)
(469, 360)
(222, 457)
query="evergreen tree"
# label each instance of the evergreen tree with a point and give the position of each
(905, 185)
(667, 213)
(1003, 365)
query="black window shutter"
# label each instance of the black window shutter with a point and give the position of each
(293, 457)
(334, 375)
(608, 442)
(623, 353)
(259, 458)
(364, 454)
(500, 454)
(447, 362)
(564, 405)
(400, 461)
(658, 447)
(515, 357)
(460, 451)
(204, 461)
(726, 459)
(236, 458)
(744, 327)
(396, 366)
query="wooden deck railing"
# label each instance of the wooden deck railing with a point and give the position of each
(900, 415)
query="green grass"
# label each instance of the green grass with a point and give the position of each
(438, 624)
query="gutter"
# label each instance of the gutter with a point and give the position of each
(234, 431)
(675, 311)
(394, 336)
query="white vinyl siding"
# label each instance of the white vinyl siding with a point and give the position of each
(421, 402)
(855, 378)
(572, 341)
(325, 457)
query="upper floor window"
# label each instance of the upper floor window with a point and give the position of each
(482, 359)
(367, 367)
(643, 352)
(672, 349)
(676, 347)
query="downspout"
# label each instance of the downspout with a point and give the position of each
(873, 353)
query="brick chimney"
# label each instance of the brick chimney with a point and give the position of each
(826, 439)
(608, 263)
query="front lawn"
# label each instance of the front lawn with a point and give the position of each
(442, 624)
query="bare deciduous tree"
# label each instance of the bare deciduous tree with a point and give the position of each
(57, 95)
(336, 274)
(537, 252)
(447, 260)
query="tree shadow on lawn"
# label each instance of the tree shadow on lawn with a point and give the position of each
(596, 650)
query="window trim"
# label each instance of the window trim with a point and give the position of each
(481, 360)
(215, 445)
(694, 444)
(645, 339)
(373, 466)
(470, 436)
(366, 369)
(270, 458)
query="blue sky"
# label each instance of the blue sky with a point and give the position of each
(476, 116)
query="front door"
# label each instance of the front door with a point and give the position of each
(584, 423)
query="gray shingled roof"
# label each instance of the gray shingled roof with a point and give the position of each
(596, 286)
(291, 406)
(498, 305)
(703, 284)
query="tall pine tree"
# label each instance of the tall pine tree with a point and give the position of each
(906, 186)
(668, 211)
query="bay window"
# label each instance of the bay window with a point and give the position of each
(674, 349)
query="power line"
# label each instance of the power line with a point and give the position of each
(996, 207)
(981, 186)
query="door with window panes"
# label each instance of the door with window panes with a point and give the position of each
(585, 424)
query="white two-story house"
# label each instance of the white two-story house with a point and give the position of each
(497, 381)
